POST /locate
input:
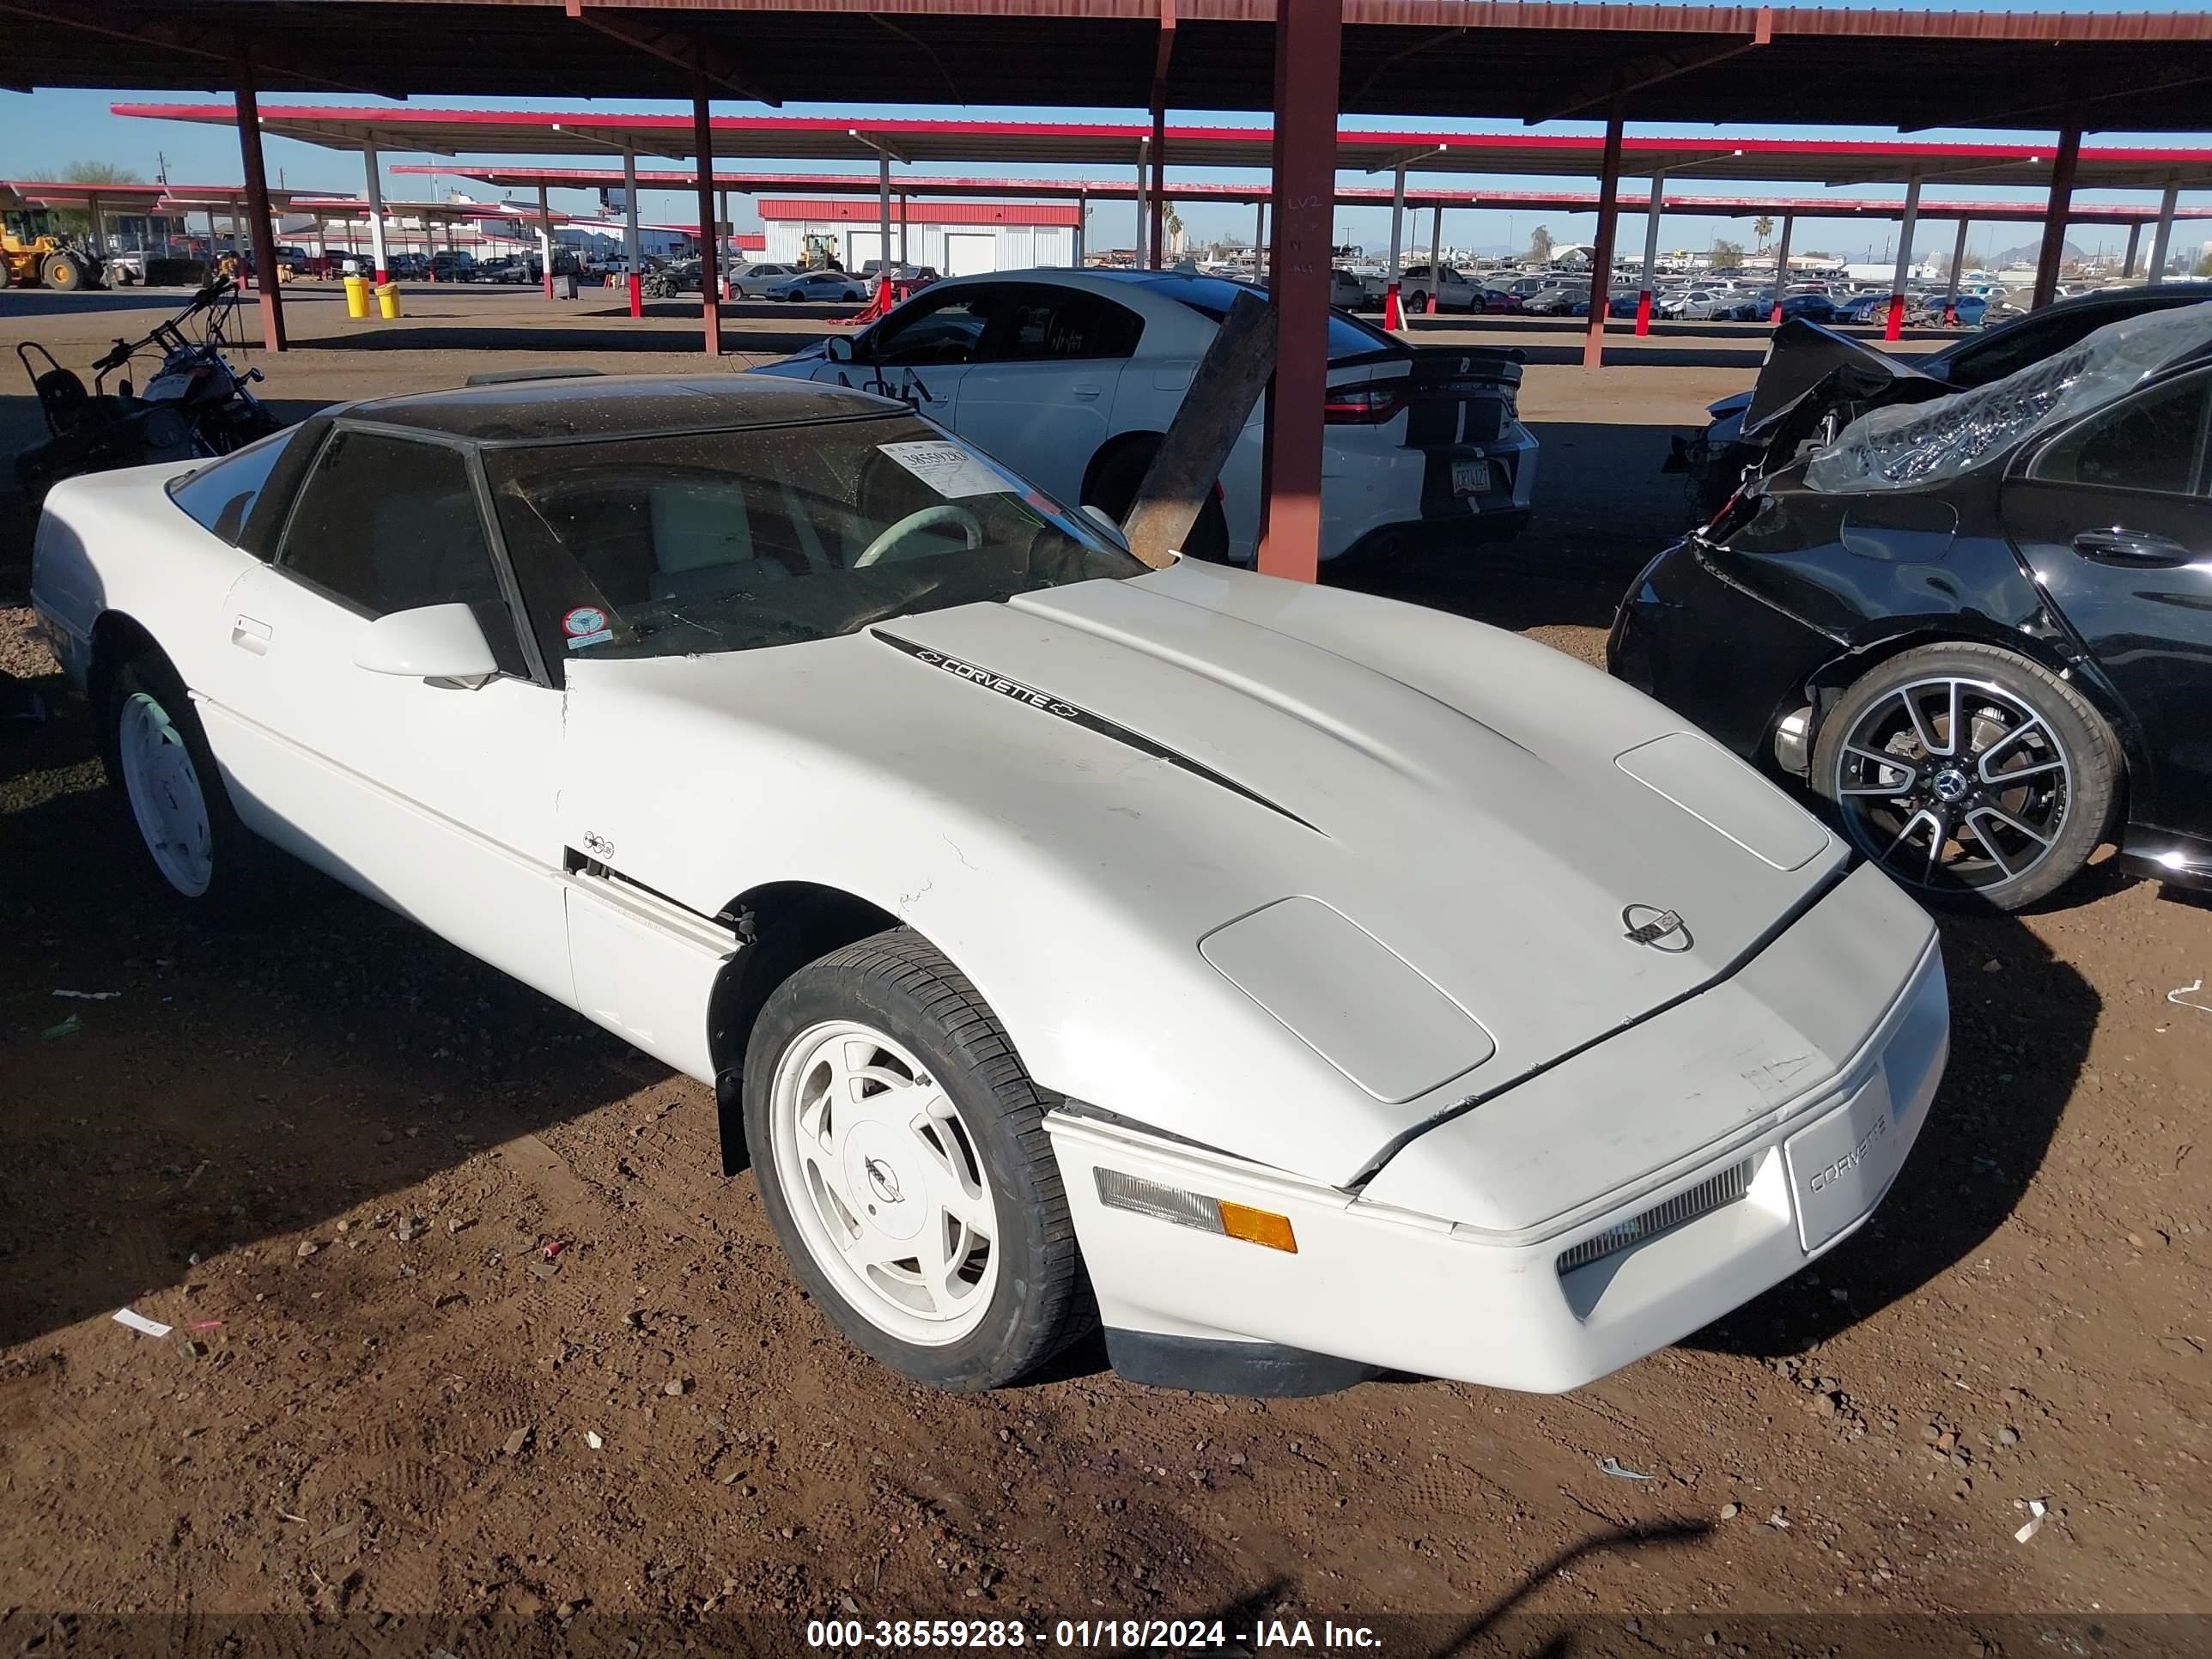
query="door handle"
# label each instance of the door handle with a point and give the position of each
(2120, 545)
(248, 634)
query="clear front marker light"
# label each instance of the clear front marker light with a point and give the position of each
(1117, 1191)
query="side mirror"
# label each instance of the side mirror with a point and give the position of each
(430, 642)
(838, 348)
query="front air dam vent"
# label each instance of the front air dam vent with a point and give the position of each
(1705, 1197)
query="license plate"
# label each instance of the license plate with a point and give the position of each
(1476, 477)
(1842, 1164)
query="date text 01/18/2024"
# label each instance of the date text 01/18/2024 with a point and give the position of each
(1149, 1635)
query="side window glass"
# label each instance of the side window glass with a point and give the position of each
(220, 495)
(1053, 324)
(388, 524)
(947, 332)
(2153, 442)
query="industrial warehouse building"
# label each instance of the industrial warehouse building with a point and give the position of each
(954, 238)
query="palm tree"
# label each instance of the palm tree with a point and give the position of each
(1764, 227)
(1175, 229)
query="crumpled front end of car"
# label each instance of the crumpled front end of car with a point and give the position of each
(1541, 1237)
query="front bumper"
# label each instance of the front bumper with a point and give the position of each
(1374, 1286)
(1729, 661)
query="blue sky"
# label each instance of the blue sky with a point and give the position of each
(42, 131)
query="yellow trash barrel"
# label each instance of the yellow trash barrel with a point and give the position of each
(356, 293)
(388, 299)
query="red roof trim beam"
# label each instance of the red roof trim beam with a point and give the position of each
(823, 210)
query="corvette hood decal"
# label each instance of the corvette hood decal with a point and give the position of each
(1059, 708)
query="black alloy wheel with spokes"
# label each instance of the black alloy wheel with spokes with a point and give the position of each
(1963, 771)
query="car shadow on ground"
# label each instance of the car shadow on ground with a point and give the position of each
(2022, 1024)
(42, 302)
(243, 1082)
(616, 336)
(1604, 511)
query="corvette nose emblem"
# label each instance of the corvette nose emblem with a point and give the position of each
(884, 1179)
(1662, 930)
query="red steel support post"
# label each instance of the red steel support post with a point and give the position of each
(1436, 258)
(257, 202)
(1158, 231)
(1137, 243)
(633, 245)
(1650, 252)
(710, 241)
(1958, 265)
(2163, 234)
(2135, 241)
(2054, 225)
(1893, 329)
(372, 173)
(1782, 267)
(1309, 40)
(1394, 307)
(544, 241)
(1608, 225)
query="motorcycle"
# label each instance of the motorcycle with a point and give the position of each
(195, 403)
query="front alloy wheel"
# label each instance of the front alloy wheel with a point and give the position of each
(1965, 771)
(903, 1160)
(887, 1191)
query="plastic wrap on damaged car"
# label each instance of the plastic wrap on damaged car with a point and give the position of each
(1911, 446)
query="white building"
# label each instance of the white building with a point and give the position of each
(956, 239)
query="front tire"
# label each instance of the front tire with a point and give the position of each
(157, 754)
(1969, 773)
(904, 1164)
(62, 273)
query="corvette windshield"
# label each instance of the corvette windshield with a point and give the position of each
(695, 542)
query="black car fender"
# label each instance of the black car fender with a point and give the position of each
(2044, 639)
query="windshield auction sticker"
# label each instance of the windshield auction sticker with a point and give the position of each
(948, 469)
(587, 625)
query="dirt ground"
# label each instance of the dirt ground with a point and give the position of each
(474, 1343)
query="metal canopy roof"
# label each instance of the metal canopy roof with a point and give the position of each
(1123, 190)
(345, 207)
(1529, 59)
(16, 193)
(811, 138)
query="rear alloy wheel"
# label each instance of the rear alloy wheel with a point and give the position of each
(1965, 771)
(903, 1159)
(1113, 487)
(1418, 304)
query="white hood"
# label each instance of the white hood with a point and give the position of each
(1069, 792)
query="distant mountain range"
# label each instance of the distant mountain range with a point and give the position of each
(2028, 252)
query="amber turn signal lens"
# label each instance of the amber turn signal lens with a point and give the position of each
(1258, 1226)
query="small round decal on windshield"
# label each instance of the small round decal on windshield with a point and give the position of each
(586, 625)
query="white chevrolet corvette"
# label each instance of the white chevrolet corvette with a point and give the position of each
(1298, 983)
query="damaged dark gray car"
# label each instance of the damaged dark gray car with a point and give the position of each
(1978, 623)
(1712, 462)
